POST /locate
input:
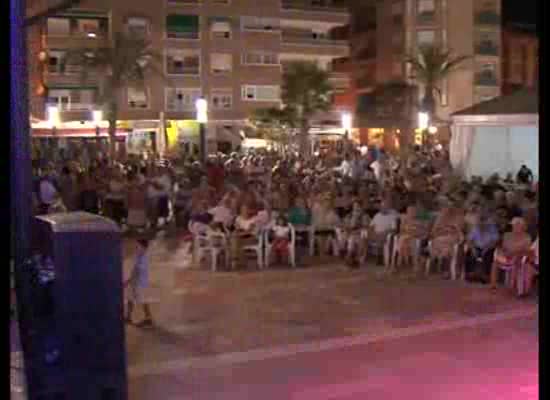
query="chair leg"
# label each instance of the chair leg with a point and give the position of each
(428, 265)
(453, 267)
(214, 255)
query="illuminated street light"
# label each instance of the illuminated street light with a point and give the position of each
(201, 106)
(423, 120)
(432, 130)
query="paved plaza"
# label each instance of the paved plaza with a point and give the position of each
(323, 331)
(226, 325)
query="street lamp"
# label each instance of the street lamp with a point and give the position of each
(53, 118)
(201, 106)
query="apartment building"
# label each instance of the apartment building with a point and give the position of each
(520, 64)
(384, 32)
(231, 52)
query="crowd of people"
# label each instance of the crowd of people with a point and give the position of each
(354, 202)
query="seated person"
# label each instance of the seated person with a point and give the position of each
(515, 245)
(481, 243)
(351, 234)
(324, 219)
(280, 238)
(384, 222)
(299, 214)
(411, 231)
(244, 234)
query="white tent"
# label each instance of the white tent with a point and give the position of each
(497, 136)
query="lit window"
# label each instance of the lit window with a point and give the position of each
(137, 27)
(221, 63)
(137, 98)
(221, 99)
(425, 38)
(260, 93)
(59, 26)
(260, 58)
(220, 28)
(182, 62)
(182, 99)
(260, 24)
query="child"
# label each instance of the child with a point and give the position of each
(138, 281)
(281, 232)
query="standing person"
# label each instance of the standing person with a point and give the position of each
(68, 189)
(524, 175)
(138, 281)
(137, 203)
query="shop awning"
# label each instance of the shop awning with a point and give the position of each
(182, 23)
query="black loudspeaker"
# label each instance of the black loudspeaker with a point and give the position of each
(74, 341)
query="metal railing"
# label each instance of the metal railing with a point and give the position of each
(72, 106)
(484, 79)
(487, 49)
(487, 18)
(308, 38)
(314, 5)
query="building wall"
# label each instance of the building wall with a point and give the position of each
(378, 49)
(274, 41)
(520, 59)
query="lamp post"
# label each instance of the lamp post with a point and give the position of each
(423, 124)
(346, 126)
(201, 106)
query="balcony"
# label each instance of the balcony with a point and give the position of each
(486, 79)
(72, 107)
(184, 2)
(487, 49)
(425, 18)
(340, 82)
(487, 18)
(329, 6)
(312, 44)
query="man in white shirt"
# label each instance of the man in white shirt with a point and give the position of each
(383, 223)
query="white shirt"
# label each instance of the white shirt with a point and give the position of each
(221, 215)
(384, 223)
(48, 193)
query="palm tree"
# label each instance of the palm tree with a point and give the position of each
(430, 66)
(306, 91)
(123, 64)
(274, 123)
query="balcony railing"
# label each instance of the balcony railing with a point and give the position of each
(185, 2)
(426, 17)
(72, 106)
(309, 39)
(485, 79)
(487, 49)
(314, 5)
(487, 18)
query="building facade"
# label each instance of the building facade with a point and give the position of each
(231, 52)
(520, 65)
(384, 32)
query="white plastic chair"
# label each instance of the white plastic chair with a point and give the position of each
(454, 259)
(291, 247)
(393, 249)
(214, 243)
(257, 249)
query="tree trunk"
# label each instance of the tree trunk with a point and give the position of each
(428, 102)
(303, 144)
(113, 114)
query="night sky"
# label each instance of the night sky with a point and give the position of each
(520, 11)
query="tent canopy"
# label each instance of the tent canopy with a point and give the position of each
(496, 136)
